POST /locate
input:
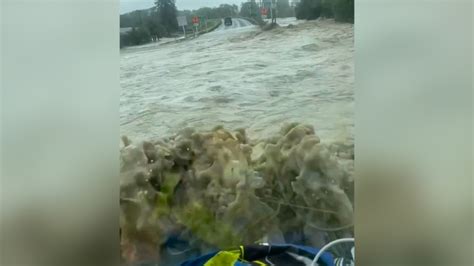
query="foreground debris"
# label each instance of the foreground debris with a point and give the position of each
(219, 189)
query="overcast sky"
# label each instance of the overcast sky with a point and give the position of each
(130, 5)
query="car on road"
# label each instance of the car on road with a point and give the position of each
(228, 21)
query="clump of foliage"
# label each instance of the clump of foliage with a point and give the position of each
(136, 36)
(250, 10)
(284, 9)
(220, 189)
(341, 10)
(344, 10)
(150, 24)
(167, 15)
(160, 21)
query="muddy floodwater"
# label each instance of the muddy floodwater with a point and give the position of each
(242, 77)
(256, 178)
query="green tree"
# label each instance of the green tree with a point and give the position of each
(133, 19)
(136, 36)
(221, 11)
(250, 10)
(326, 8)
(344, 10)
(308, 9)
(152, 24)
(225, 10)
(236, 9)
(206, 12)
(341, 10)
(167, 14)
(283, 9)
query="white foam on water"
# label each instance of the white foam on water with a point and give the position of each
(241, 77)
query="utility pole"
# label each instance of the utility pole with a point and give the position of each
(273, 11)
(250, 8)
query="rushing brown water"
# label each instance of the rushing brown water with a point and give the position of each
(243, 78)
(229, 186)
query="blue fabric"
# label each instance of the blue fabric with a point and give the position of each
(238, 263)
(325, 260)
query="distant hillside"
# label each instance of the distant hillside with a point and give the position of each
(135, 18)
(138, 17)
(144, 26)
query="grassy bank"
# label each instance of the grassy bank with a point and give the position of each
(212, 24)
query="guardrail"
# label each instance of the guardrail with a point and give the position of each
(255, 21)
(211, 28)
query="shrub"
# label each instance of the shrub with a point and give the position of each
(343, 10)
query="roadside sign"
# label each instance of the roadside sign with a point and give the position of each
(264, 11)
(196, 21)
(182, 21)
(203, 22)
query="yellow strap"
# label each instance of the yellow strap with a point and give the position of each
(223, 258)
(242, 252)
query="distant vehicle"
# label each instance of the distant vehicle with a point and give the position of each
(228, 21)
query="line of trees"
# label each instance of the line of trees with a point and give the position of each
(284, 9)
(166, 12)
(341, 10)
(251, 9)
(149, 25)
(223, 10)
(160, 21)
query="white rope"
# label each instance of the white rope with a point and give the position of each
(327, 246)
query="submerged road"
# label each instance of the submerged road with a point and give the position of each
(239, 76)
(236, 23)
